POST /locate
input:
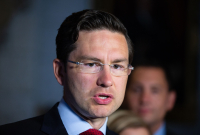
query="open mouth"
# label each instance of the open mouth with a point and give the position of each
(103, 98)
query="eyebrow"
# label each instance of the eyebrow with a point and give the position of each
(119, 60)
(88, 58)
(96, 59)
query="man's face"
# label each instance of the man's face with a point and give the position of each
(96, 95)
(148, 95)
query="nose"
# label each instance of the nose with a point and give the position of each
(105, 77)
(144, 97)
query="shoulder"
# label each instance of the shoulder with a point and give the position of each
(170, 130)
(45, 124)
(22, 127)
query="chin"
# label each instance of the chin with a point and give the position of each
(147, 120)
(102, 112)
(98, 115)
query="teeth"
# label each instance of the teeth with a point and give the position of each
(103, 97)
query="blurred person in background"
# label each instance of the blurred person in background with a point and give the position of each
(125, 122)
(150, 95)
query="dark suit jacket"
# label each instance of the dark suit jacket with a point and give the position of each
(169, 131)
(48, 124)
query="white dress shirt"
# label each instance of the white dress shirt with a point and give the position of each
(73, 123)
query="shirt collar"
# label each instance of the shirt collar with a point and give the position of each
(161, 130)
(73, 123)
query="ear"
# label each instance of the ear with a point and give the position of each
(171, 100)
(59, 71)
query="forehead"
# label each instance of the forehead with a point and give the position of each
(148, 75)
(101, 44)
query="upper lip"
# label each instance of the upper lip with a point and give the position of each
(103, 94)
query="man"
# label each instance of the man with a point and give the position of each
(149, 95)
(92, 65)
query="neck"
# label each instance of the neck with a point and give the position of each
(155, 127)
(96, 123)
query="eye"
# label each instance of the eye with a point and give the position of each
(118, 66)
(91, 64)
(155, 90)
(137, 90)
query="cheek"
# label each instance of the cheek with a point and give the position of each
(119, 87)
(84, 81)
(132, 100)
(120, 84)
(160, 105)
(159, 101)
(132, 97)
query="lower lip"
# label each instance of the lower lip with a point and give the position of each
(100, 101)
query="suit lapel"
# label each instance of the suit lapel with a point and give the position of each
(52, 123)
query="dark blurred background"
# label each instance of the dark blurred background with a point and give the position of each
(166, 30)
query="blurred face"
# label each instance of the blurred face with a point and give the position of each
(148, 95)
(96, 95)
(134, 131)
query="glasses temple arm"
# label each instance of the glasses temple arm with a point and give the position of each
(74, 62)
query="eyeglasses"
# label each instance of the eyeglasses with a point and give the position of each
(89, 66)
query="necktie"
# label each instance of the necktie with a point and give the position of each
(91, 132)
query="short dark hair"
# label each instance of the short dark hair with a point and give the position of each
(87, 20)
(157, 64)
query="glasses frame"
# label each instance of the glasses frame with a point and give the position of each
(79, 63)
